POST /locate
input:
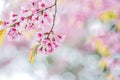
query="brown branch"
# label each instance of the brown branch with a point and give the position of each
(46, 8)
(54, 19)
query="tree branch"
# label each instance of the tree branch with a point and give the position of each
(54, 19)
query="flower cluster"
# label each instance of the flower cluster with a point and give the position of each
(47, 42)
(40, 17)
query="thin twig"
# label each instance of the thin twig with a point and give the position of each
(46, 8)
(54, 19)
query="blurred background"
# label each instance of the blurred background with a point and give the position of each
(90, 51)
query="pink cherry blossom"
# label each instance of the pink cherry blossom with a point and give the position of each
(13, 33)
(48, 43)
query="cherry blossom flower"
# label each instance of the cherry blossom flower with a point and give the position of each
(13, 34)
